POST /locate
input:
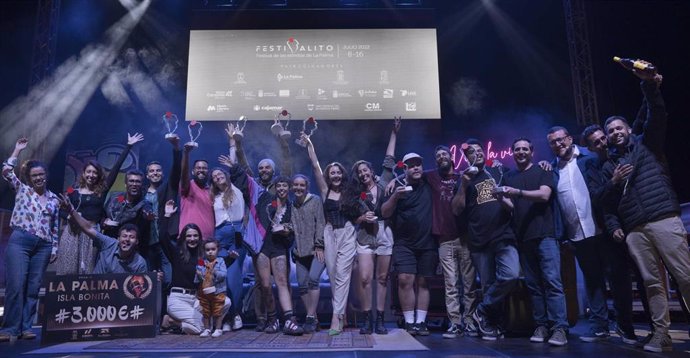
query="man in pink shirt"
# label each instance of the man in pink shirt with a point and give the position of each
(195, 201)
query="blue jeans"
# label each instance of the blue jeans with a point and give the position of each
(225, 235)
(26, 259)
(499, 269)
(589, 253)
(541, 265)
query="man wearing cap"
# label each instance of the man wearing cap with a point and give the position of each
(492, 241)
(414, 251)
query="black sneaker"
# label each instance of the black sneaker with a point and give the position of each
(422, 330)
(411, 328)
(260, 325)
(453, 331)
(309, 325)
(470, 329)
(595, 335)
(628, 336)
(483, 325)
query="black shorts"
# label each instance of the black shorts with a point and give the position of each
(275, 245)
(422, 262)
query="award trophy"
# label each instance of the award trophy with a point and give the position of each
(277, 127)
(311, 122)
(276, 225)
(238, 134)
(471, 169)
(194, 125)
(170, 120)
(401, 165)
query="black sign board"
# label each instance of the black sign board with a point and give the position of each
(100, 307)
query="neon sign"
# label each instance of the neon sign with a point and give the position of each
(501, 154)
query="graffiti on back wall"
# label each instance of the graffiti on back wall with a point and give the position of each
(106, 155)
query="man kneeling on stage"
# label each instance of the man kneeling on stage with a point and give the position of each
(114, 255)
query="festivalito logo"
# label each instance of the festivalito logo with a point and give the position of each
(137, 286)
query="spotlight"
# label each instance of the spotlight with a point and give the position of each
(408, 2)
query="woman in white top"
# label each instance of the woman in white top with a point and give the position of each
(229, 209)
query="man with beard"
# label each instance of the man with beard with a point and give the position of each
(492, 241)
(196, 205)
(129, 207)
(617, 267)
(642, 208)
(450, 233)
(114, 255)
(531, 189)
(414, 251)
(158, 193)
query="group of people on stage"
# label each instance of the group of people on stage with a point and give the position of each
(612, 199)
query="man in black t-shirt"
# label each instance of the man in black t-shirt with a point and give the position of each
(415, 255)
(532, 191)
(492, 241)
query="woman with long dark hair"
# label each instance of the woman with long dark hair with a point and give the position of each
(32, 244)
(77, 252)
(182, 301)
(339, 234)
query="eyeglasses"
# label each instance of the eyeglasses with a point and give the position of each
(559, 140)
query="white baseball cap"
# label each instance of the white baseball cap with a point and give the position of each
(411, 155)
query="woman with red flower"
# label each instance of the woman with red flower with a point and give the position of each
(339, 235)
(374, 239)
(77, 252)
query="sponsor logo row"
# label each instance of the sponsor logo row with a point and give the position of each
(319, 93)
(368, 107)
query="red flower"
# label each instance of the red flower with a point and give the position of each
(464, 146)
(400, 164)
(363, 196)
(284, 112)
(291, 39)
(168, 114)
(489, 162)
(274, 203)
(120, 199)
(311, 120)
(200, 262)
(192, 123)
(70, 190)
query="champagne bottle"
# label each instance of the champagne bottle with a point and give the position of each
(631, 64)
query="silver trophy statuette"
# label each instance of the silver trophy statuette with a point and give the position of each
(277, 128)
(170, 120)
(309, 126)
(238, 134)
(401, 165)
(194, 126)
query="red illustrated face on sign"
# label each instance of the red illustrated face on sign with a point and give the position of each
(311, 120)
(400, 164)
(284, 112)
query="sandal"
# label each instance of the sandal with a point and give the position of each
(291, 327)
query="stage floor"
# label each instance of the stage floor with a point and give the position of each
(438, 347)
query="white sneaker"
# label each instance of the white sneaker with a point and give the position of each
(217, 333)
(205, 333)
(226, 327)
(237, 323)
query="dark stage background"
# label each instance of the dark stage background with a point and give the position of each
(504, 73)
